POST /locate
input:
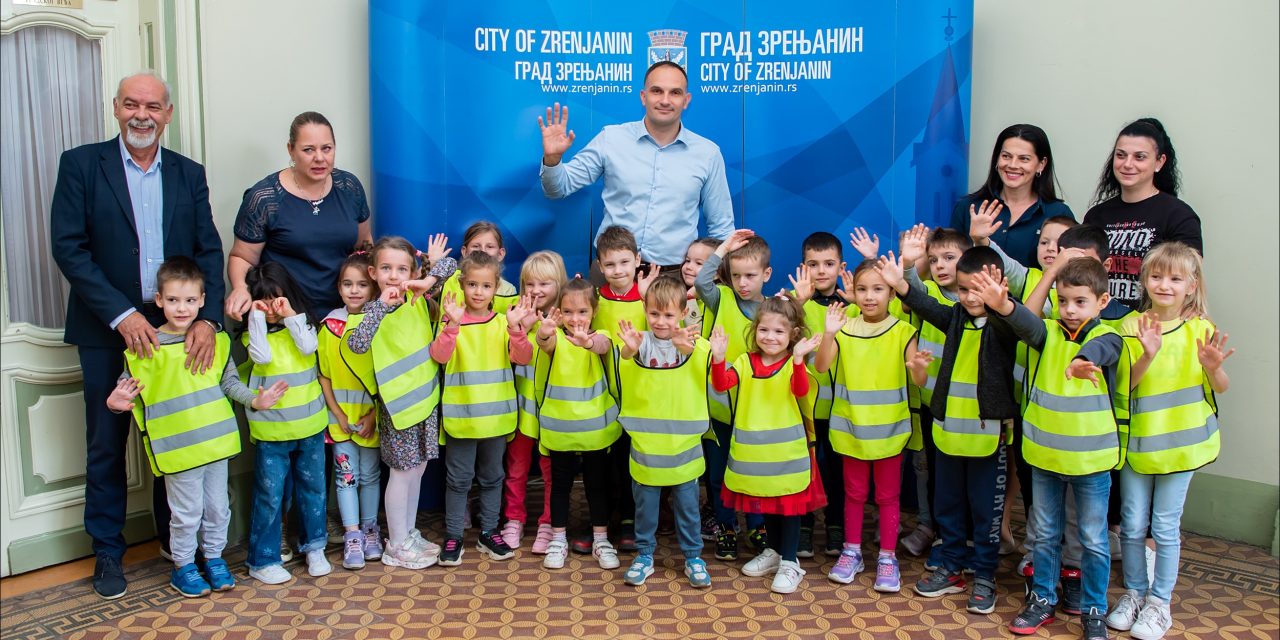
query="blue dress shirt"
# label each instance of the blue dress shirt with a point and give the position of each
(146, 194)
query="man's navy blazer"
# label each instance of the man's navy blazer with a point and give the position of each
(95, 241)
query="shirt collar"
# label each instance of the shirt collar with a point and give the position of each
(128, 159)
(641, 132)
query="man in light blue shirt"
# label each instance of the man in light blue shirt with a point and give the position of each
(657, 174)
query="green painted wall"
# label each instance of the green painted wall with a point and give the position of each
(1239, 510)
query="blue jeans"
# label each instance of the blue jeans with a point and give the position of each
(1156, 500)
(358, 481)
(717, 456)
(684, 502)
(303, 461)
(1091, 493)
(970, 491)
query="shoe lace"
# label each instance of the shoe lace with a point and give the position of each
(109, 564)
(496, 539)
(789, 572)
(885, 568)
(354, 546)
(452, 544)
(845, 561)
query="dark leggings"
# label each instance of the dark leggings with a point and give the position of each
(1023, 467)
(595, 479)
(784, 535)
(618, 484)
(831, 468)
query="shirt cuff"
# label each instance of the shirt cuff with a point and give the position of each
(120, 318)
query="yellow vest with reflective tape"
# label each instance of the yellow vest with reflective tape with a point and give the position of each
(348, 389)
(184, 418)
(479, 387)
(609, 312)
(870, 418)
(408, 379)
(664, 410)
(1173, 413)
(736, 325)
(530, 381)
(1034, 276)
(301, 411)
(1068, 426)
(932, 339)
(815, 318)
(576, 411)
(962, 432)
(769, 451)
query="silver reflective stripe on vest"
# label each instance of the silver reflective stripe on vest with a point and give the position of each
(930, 383)
(1173, 440)
(576, 394)
(871, 431)
(479, 409)
(467, 378)
(824, 391)
(296, 379)
(351, 396)
(665, 427)
(182, 403)
(1062, 442)
(526, 404)
(523, 371)
(963, 390)
(656, 461)
(719, 397)
(289, 414)
(578, 426)
(926, 345)
(769, 436)
(768, 469)
(968, 426)
(1019, 372)
(414, 396)
(405, 364)
(862, 398)
(1168, 399)
(1068, 404)
(194, 437)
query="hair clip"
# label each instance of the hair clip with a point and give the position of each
(359, 252)
(417, 252)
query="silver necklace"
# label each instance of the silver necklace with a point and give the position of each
(315, 204)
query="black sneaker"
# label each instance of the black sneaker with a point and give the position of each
(727, 545)
(835, 540)
(491, 543)
(982, 599)
(805, 550)
(1037, 613)
(1094, 625)
(108, 578)
(758, 539)
(940, 583)
(1072, 591)
(710, 527)
(627, 535)
(451, 552)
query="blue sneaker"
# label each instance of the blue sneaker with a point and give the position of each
(188, 581)
(219, 575)
(640, 569)
(696, 569)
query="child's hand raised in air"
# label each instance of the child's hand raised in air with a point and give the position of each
(719, 344)
(1149, 333)
(1082, 369)
(845, 290)
(867, 246)
(684, 339)
(121, 398)
(579, 335)
(550, 320)
(914, 244)
(802, 283)
(437, 248)
(452, 311)
(268, 397)
(804, 348)
(992, 288)
(630, 337)
(919, 361)
(982, 221)
(643, 281)
(890, 268)
(835, 318)
(735, 241)
(1213, 351)
(520, 316)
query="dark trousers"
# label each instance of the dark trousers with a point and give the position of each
(595, 480)
(971, 491)
(784, 534)
(620, 498)
(831, 468)
(106, 435)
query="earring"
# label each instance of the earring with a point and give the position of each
(1038, 174)
(292, 164)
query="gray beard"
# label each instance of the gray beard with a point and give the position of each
(138, 141)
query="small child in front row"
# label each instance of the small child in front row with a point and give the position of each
(869, 357)
(189, 444)
(1173, 429)
(771, 469)
(695, 256)
(290, 436)
(477, 348)
(662, 391)
(352, 420)
(577, 419)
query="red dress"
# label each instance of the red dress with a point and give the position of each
(807, 500)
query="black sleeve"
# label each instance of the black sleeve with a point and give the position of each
(1103, 350)
(923, 304)
(1025, 325)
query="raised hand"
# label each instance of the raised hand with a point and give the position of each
(1063, 257)
(914, 244)
(890, 269)
(520, 316)
(866, 246)
(437, 248)
(735, 241)
(282, 307)
(684, 339)
(919, 361)
(982, 220)
(805, 347)
(557, 137)
(550, 320)
(1081, 369)
(630, 337)
(647, 279)
(268, 397)
(845, 290)
(451, 309)
(1213, 350)
(719, 344)
(835, 318)
(991, 287)
(121, 398)
(802, 283)
(1150, 334)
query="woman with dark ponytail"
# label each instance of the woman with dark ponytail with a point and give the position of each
(1137, 203)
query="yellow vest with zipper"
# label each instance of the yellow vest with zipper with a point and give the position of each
(479, 387)
(769, 450)
(870, 418)
(576, 411)
(664, 411)
(301, 411)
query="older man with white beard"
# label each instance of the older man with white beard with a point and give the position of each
(120, 208)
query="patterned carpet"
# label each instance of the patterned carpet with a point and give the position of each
(1225, 591)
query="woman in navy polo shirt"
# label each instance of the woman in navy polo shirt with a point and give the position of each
(308, 217)
(1020, 176)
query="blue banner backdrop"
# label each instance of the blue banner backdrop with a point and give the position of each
(830, 115)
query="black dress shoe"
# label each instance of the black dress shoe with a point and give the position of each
(108, 578)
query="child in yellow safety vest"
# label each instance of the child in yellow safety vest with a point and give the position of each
(771, 469)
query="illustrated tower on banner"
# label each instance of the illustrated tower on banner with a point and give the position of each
(667, 45)
(940, 158)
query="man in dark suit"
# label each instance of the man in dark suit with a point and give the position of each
(120, 208)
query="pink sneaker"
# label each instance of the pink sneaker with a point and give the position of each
(511, 533)
(542, 540)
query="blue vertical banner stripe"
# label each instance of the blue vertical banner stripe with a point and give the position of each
(830, 115)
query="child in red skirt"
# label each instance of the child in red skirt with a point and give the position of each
(771, 468)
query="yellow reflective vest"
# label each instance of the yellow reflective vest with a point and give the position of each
(407, 378)
(609, 312)
(530, 381)
(962, 432)
(932, 339)
(353, 398)
(1034, 276)
(664, 411)
(479, 387)
(576, 411)
(870, 418)
(736, 325)
(769, 450)
(301, 411)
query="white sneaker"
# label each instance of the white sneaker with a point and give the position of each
(286, 549)
(1125, 612)
(788, 577)
(317, 564)
(1153, 621)
(423, 545)
(271, 574)
(511, 533)
(557, 552)
(1150, 555)
(605, 554)
(763, 565)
